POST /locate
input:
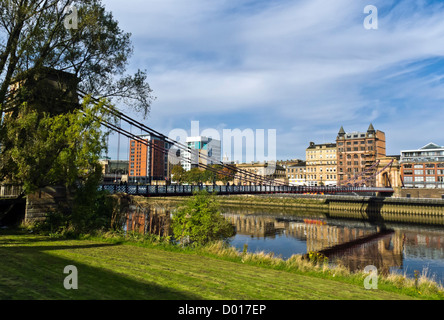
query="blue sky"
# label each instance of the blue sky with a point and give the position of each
(302, 67)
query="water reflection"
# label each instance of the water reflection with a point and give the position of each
(406, 249)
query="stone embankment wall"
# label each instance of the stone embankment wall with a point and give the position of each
(420, 193)
(427, 211)
(409, 210)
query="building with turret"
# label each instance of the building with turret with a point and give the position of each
(358, 154)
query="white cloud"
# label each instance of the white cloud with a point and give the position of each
(305, 64)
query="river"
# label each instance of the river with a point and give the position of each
(406, 249)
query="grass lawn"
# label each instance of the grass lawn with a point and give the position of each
(32, 268)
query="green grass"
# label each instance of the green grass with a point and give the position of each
(32, 268)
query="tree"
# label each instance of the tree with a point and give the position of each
(42, 150)
(33, 35)
(41, 147)
(178, 173)
(227, 174)
(209, 175)
(194, 176)
(199, 221)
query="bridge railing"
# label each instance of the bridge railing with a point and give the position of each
(10, 191)
(147, 190)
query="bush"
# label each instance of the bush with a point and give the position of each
(199, 221)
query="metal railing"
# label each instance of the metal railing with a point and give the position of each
(153, 190)
(10, 191)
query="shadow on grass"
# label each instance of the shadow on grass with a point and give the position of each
(30, 273)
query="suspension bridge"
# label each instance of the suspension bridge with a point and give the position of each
(180, 190)
(249, 182)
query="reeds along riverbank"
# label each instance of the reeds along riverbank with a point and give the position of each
(421, 287)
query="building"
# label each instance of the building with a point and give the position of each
(148, 160)
(321, 164)
(297, 174)
(358, 155)
(259, 173)
(424, 167)
(204, 150)
(115, 170)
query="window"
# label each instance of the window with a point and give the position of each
(419, 166)
(408, 172)
(430, 179)
(408, 179)
(430, 172)
(419, 172)
(419, 179)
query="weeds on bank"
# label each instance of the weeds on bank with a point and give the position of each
(312, 264)
(316, 264)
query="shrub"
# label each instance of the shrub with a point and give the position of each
(199, 221)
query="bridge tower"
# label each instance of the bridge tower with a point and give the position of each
(49, 91)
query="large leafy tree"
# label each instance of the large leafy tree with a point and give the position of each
(34, 34)
(63, 149)
(42, 147)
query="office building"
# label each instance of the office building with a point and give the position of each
(148, 160)
(424, 167)
(204, 151)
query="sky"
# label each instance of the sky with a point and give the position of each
(301, 67)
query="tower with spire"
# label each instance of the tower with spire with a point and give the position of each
(357, 154)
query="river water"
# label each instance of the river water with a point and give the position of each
(406, 249)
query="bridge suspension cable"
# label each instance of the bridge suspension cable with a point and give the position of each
(161, 149)
(252, 177)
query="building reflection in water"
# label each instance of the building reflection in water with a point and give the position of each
(148, 220)
(386, 253)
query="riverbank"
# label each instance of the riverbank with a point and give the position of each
(119, 268)
(375, 209)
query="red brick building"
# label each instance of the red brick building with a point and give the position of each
(357, 156)
(148, 160)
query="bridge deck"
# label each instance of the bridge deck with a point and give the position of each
(176, 190)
